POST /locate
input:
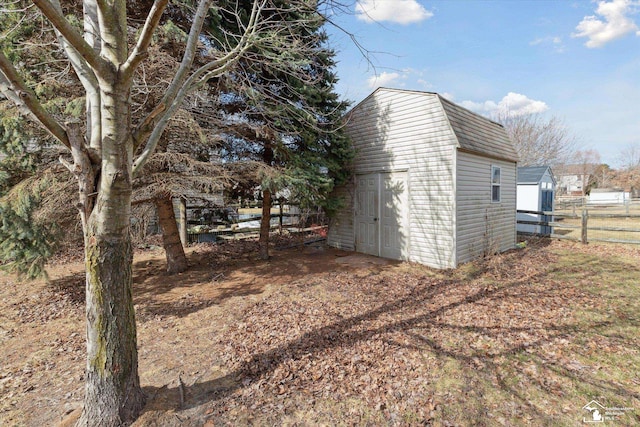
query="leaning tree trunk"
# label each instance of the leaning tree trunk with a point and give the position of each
(265, 225)
(176, 259)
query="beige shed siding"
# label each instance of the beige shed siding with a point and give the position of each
(407, 131)
(341, 234)
(442, 148)
(483, 226)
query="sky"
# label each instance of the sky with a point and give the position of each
(578, 61)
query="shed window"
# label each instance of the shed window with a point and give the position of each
(495, 184)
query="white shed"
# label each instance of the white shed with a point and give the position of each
(608, 196)
(536, 191)
(434, 183)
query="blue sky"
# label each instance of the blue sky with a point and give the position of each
(576, 60)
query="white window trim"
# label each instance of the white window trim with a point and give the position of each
(499, 184)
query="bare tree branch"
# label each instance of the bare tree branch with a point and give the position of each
(140, 50)
(84, 172)
(538, 141)
(181, 85)
(629, 157)
(144, 129)
(71, 35)
(84, 72)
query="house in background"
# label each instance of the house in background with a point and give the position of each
(434, 183)
(536, 191)
(575, 180)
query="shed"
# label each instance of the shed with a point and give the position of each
(434, 183)
(608, 196)
(536, 192)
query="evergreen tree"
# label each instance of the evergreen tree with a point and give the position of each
(15, 162)
(25, 243)
(289, 121)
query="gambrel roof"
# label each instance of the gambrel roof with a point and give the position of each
(478, 134)
(474, 133)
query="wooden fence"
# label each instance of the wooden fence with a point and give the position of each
(237, 231)
(585, 226)
(295, 225)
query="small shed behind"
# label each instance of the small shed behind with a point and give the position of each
(608, 196)
(536, 192)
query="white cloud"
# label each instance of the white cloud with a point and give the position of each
(554, 41)
(518, 104)
(480, 107)
(447, 95)
(546, 40)
(382, 80)
(424, 84)
(613, 24)
(399, 11)
(513, 103)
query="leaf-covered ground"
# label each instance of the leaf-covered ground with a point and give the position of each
(322, 337)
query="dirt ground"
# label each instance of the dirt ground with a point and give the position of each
(42, 345)
(314, 336)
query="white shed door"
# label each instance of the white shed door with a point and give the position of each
(367, 214)
(381, 215)
(394, 207)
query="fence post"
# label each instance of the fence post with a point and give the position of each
(585, 215)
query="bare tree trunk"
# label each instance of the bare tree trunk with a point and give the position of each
(176, 259)
(113, 396)
(265, 225)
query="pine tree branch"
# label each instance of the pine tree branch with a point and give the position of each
(13, 87)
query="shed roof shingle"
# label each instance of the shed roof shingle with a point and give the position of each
(478, 134)
(531, 174)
